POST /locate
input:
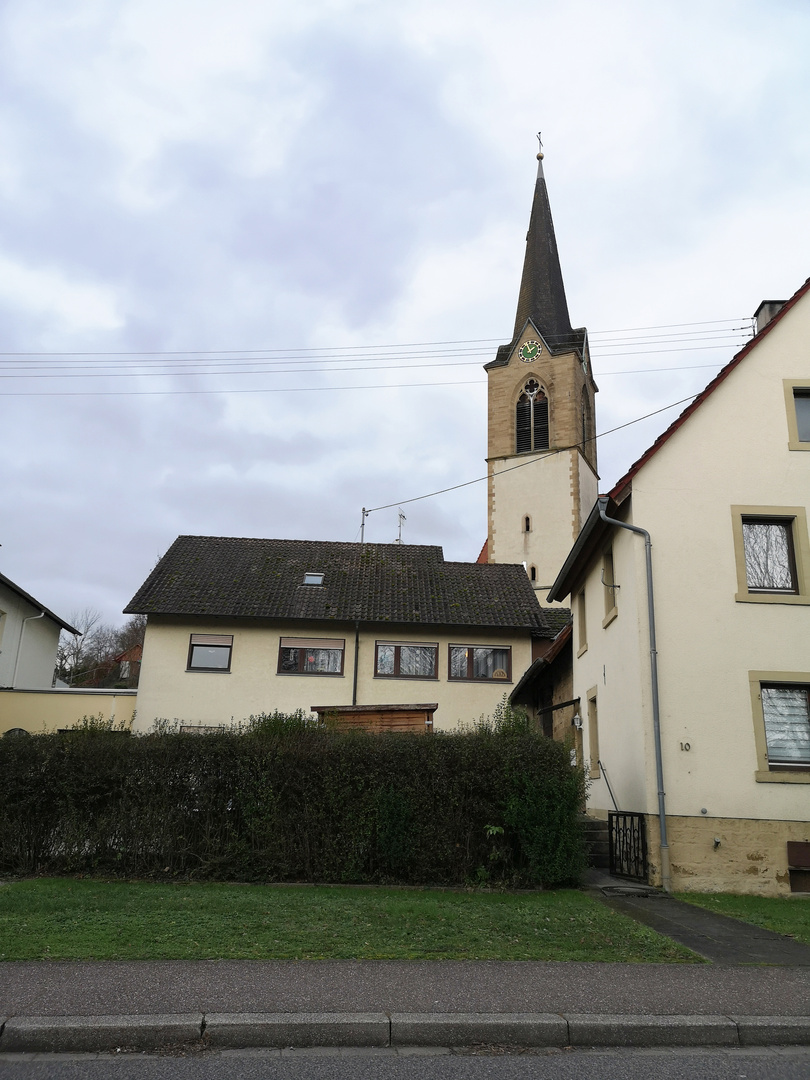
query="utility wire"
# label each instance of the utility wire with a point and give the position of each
(531, 461)
(355, 348)
(16, 374)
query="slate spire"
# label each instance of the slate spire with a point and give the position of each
(542, 293)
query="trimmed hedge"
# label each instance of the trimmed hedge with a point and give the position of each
(287, 801)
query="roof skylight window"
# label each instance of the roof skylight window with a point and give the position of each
(313, 579)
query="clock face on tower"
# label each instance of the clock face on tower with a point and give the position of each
(529, 351)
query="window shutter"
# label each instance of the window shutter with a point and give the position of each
(212, 639)
(312, 643)
(523, 431)
(540, 422)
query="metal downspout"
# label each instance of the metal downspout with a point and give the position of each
(356, 660)
(666, 877)
(31, 618)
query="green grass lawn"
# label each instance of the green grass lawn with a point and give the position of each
(782, 914)
(71, 919)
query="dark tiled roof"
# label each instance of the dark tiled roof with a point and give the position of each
(542, 293)
(555, 620)
(224, 577)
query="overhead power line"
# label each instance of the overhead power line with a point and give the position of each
(531, 461)
(334, 350)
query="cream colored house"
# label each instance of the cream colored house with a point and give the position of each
(724, 495)
(238, 627)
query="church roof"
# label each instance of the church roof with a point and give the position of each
(541, 299)
(542, 293)
(228, 577)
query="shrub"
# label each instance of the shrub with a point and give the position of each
(285, 799)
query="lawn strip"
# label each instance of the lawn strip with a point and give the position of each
(782, 914)
(72, 919)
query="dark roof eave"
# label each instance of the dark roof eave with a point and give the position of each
(532, 628)
(35, 603)
(579, 557)
(528, 676)
(624, 484)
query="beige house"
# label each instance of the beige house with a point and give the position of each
(239, 627)
(715, 745)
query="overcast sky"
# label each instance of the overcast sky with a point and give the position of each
(324, 183)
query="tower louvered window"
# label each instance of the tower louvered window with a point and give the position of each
(531, 419)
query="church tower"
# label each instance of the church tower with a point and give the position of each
(541, 451)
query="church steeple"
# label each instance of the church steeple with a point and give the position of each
(541, 415)
(542, 293)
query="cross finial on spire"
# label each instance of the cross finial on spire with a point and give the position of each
(540, 148)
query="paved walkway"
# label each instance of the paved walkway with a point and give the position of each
(756, 992)
(716, 937)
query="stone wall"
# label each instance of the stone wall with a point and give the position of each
(750, 858)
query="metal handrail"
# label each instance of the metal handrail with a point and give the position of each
(610, 789)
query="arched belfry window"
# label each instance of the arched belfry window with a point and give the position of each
(527, 524)
(531, 419)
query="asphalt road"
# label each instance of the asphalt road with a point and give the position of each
(699, 1064)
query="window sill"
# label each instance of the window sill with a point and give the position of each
(482, 682)
(798, 775)
(582, 650)
(409, 678)
(608, 619)
(773, 598)
(314, 674)
(207, 671)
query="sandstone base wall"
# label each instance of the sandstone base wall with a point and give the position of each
(751, 857)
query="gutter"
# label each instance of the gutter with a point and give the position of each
(666, 877)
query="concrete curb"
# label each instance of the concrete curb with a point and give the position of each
(466, 1029)
(241, 1030)
(63, 1034)
(66, 1034)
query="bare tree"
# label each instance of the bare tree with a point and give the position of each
(89, 659)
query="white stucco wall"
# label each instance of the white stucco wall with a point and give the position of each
(544, 487)
(167, 690)
(616, 663)
(37, 650)
(732, 452)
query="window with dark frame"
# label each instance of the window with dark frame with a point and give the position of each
(480, 662)
(801, 402)
(311, 656)
(770, 561)
(786, 712)
(398, 660)
(210, 652)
